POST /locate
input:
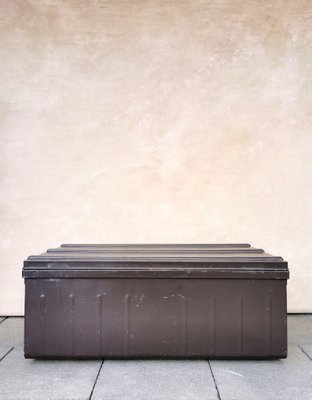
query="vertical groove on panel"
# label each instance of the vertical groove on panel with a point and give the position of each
(213, 324)
(186, 324)
(241, 325)
(127, 323)
(43, 322)
(269, 314)
(99, 306)
(72, 322)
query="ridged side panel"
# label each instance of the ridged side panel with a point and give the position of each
(155, 318)
(42, 300)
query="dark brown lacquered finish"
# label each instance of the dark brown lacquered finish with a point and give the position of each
(155, 300)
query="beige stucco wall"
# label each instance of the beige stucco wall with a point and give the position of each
(156, 121)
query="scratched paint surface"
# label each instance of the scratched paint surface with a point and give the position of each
(155, 121)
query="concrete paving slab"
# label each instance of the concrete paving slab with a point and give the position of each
(4, 351)
(307, 349)
(309, 316)
(299, 330)
(54, 380)
(2, 319)
(155, 380)
(12, 332)
(287, 379)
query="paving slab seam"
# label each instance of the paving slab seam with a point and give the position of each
(96, 379)
(9, 351)
(309, 316)
(4, 319)
(214, 380)
(304, 352)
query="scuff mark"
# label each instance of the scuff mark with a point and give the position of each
(234, 373)
(142, 297)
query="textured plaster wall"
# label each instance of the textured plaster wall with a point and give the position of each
(155, 121)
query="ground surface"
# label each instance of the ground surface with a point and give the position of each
(289, 379)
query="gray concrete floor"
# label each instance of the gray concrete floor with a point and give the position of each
(288, 379)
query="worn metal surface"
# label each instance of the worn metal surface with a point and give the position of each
(195, 304)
